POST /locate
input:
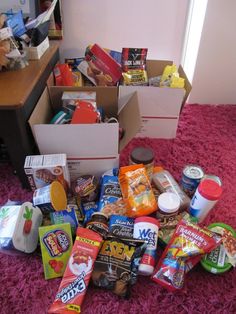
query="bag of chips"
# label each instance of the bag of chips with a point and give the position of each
(137, 191)
(116, 267)
(186, 247)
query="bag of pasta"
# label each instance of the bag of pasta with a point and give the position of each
(137, 191)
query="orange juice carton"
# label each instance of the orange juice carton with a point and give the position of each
(42, 170)
(56, 244)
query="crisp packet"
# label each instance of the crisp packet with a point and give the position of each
(137, 191)
(117, 264)
(188, 242)
(78, 271)
(110, 191)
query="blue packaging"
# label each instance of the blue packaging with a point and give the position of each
(110, 191)
(64, 216)
(121, 226)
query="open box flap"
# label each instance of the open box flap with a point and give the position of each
(42, 112)
(129, 120)
(187, 85)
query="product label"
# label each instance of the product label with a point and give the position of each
(56, 242)
(77, 287)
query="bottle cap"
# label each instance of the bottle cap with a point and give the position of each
(158, 169)
(147, 219)
(210, 189)
(168, 202)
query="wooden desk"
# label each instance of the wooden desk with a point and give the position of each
(19, 93)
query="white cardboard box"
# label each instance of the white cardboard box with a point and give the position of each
(35, 53)
(159, 107)
(90, 148)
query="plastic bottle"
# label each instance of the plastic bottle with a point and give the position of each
(206, 196)
(165, 182)
(146, 228)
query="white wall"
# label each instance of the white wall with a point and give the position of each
(158, 25)
(214, 80)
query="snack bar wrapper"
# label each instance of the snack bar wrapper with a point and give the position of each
(187, 245)
(78, 272)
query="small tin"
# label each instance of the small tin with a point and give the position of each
(50, 198)
(191, 177)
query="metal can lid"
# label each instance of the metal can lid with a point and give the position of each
(142, 155)
(193, 172)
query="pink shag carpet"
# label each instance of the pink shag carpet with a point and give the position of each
(206, 136)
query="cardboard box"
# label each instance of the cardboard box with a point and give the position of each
(35, 53)
(160, 107)
(90, 148)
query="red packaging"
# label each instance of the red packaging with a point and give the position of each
(63, 75)
(188, 243)
(78, 271)
(102, 67)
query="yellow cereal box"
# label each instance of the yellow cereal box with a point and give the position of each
(56, 244)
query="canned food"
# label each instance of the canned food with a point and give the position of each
(50, 198)
(191, 177)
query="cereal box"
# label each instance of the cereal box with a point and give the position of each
(56, 244)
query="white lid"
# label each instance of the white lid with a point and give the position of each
(145, 270)
(168, 202)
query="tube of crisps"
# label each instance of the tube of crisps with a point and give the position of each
(78, 271)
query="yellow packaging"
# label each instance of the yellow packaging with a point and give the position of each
(56, 245)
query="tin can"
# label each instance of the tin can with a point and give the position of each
(207, 194)
(191, 177)
(50, 197)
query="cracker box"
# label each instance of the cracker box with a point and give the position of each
(56, 244)
(42, 170)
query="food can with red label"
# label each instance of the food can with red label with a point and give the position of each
(191, 177)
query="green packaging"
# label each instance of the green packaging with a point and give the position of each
(56, 245)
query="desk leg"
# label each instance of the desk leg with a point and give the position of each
(19, 143)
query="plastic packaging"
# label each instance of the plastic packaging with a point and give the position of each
(165, 182)
(206, 196)
(146, 228)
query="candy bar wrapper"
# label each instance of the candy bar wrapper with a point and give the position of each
(79, 268)
(188, 243)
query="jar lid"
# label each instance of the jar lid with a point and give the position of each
(168, 202)
(58, 196)
(99, 214)
(142, 155)
(210, 189)
(148, 219)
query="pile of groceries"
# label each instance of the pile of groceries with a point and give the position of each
(107, 231)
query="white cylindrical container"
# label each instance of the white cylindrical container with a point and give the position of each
(146, 228)
(207, 194)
